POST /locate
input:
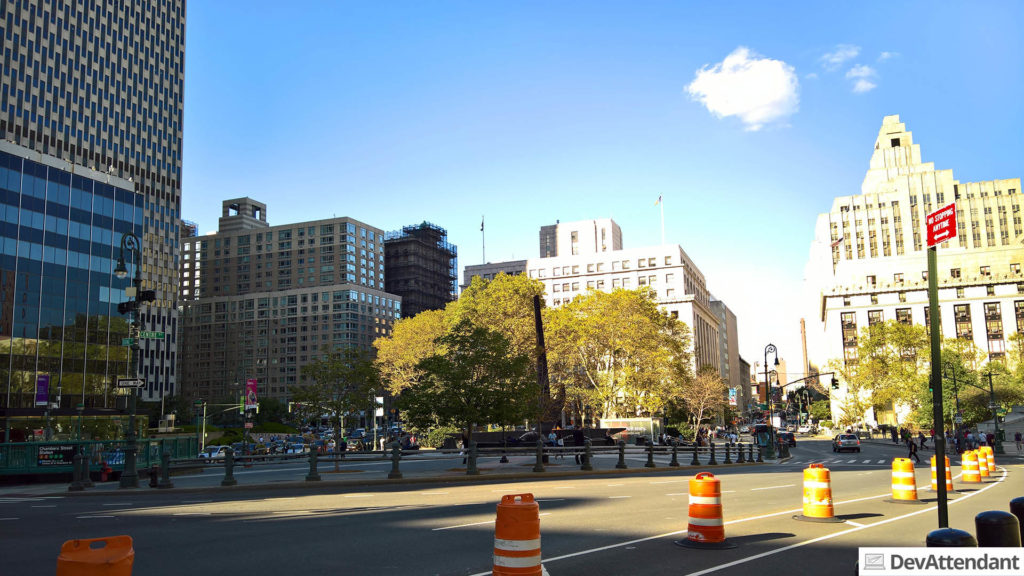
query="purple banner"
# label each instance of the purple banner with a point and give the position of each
(42, 390)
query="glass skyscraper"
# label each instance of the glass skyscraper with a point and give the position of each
(91, 103)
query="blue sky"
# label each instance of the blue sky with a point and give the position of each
(747, 117)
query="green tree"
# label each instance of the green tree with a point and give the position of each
(477, 380)
(617, 352)
(821, 410)
(338, 383)
(411, 340)
(504, 305)
(893, 363)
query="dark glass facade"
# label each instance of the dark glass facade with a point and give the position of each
(60, 236)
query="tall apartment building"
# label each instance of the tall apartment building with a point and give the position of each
(591, 257)
(729, 354)
(421, 267)
(868, 260)
(262, 301)
(91, 99)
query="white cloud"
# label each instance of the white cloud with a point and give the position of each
(755, 89)
(842, 53)
(863, 76)
(887, 55)
(811, 76)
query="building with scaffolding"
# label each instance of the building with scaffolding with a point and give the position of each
(421, 266)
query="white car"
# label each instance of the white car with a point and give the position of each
(805, 429)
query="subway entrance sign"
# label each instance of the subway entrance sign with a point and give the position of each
(941, 224)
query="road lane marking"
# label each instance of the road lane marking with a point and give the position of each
(613, 497)
(475, 524)
(833, 535)
(773, 487)
(881, 461)
(432, 493)
(2, 519)
(191, 513)
(852, 523)
(869, 461)
(671, 481)
(854, 461)
(96, 516)
(616, 484)
(46, 506)
(678, 494)
(358, 495)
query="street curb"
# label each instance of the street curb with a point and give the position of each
(329, 485)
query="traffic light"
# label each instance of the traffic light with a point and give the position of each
(835, 383)
(126, 307)
(146, 295)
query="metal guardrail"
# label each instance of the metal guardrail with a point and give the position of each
(56, 457)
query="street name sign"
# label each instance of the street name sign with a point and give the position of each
(130, 382)
(151, 335)
(127, 341)
(941, 224)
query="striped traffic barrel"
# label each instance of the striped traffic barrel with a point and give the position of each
(982, 462)
(706, 528)
(517, 537)
(817, 495)
(969, 468)
(990, 456)
(904, 482)
(949, 476)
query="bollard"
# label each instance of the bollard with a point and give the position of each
(587, 454)
(739, 451)
(650, 455)
(760, 455)
(86, 480)
(695, 461)
(165, 471)
(950, 538)
(229, 468)
(471, 467)
(705, 528)
(76, 473)
(997, 529)
(728, 459)
(154, 475)
(675, 454)
(396, 455)
(539, 465)
(1017, 509)
(712, 461)
(817, 495)
(516, 549)
(314, 473)
(621, 465)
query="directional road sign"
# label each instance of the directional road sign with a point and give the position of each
(130, 382)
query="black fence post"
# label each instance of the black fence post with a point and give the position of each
(314, 472)
(471, 469)
(229, 468)
(695, 461)
(675, 453)
(712, 461)
(165, 470)
(587, 455)
(650, 455)
(396, 455)
(621, 465)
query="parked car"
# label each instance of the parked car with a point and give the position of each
(213, 453)
(744, 429)
(297, 449)
(845, 442)
(805, 429)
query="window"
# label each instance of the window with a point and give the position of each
(668, 260)
(959, 292)
(874, 298)
(574, 238)
(874, 317)
(897, 278)
(641, 263)
(985, 271)
(590, 267)
(962, 316)
(849, 328)
(994, 329)
(1015, 269)
(954, 273)
(903, 316)
(871, 280)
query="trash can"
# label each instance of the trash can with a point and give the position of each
(109, 556)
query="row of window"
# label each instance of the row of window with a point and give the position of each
(593, 267)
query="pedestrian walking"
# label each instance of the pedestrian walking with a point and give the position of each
(913, 451)
(921, 438)
(577, 442)
(1017, 441)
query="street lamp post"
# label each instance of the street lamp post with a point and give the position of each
(131, 243)
(200, 423)
(770, 349)
(956, 395)
(998, 448)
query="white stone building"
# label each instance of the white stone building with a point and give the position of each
(868, 260)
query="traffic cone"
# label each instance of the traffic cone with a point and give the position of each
(949, 477)
(706, 529)
(517, 537)
(969, 468)
(904, 482)
(817, 495)
(982, 462)
(990, 456)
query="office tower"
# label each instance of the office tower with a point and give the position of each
(421, 267)
(91, 131)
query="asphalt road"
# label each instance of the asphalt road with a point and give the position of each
(596, 525)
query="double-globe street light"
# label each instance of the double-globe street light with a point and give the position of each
(770, 349)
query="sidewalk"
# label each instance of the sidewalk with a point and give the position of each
(1010, 448)
(361, 471)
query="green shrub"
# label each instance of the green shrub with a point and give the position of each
(436, 437)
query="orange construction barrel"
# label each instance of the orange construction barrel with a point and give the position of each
(817, 495)
(517, 537)
(949, 476)
(706, 528)
(982, 462)
(110, 556)
(969, 468)
(904, 482)
(990, 455)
